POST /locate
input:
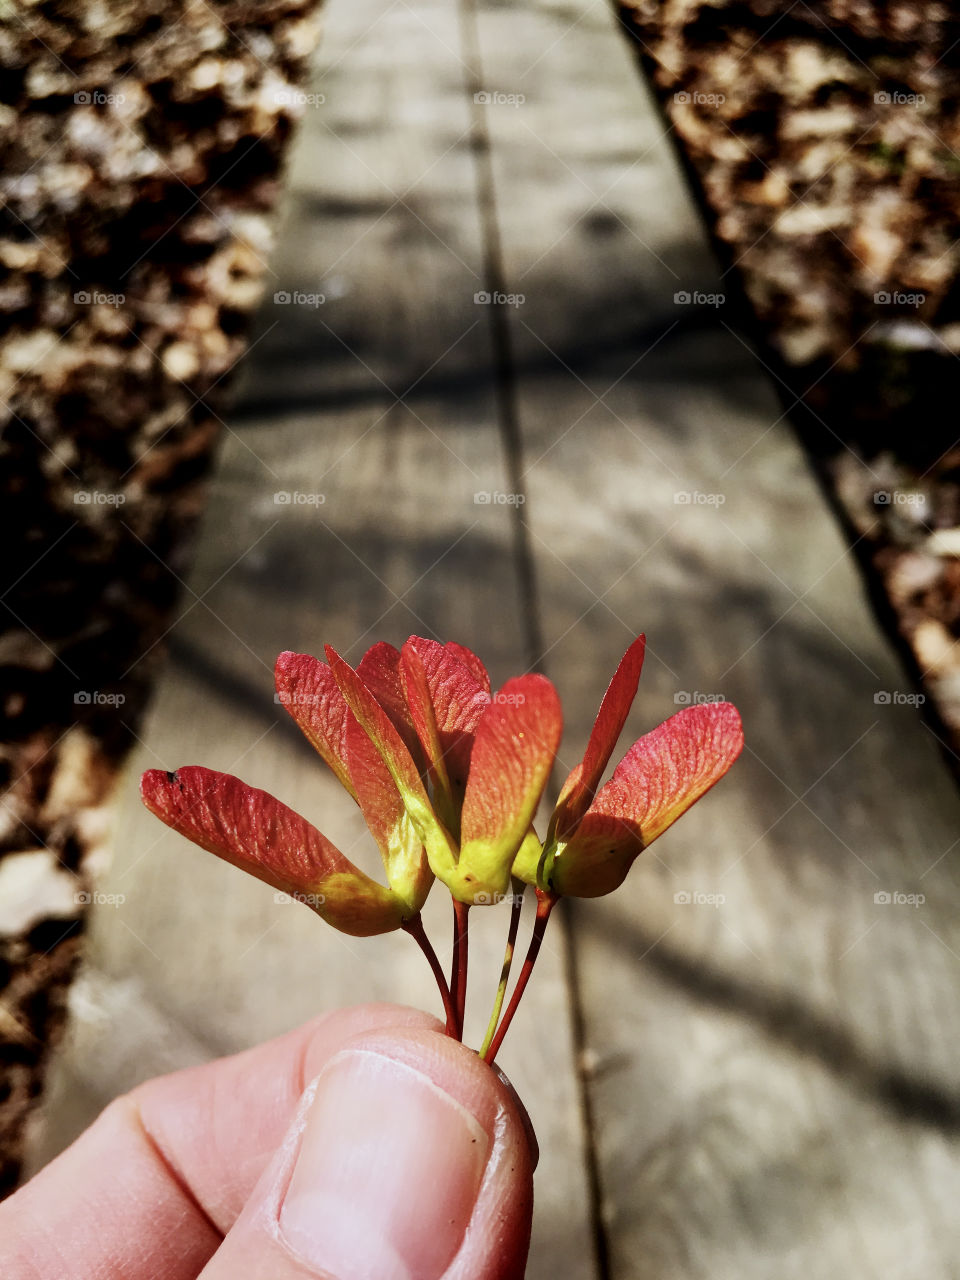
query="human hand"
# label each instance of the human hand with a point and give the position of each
(363, 1146)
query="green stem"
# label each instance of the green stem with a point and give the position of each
(416, 931)
(546, 901)
(517, 888)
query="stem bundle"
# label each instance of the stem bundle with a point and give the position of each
(454, 993)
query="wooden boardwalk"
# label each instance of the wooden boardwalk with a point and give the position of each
(758, 1082)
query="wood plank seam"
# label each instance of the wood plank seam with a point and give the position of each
(505, 375)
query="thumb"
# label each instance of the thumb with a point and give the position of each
(408, 1160)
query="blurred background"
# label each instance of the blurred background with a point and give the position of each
(532, 326)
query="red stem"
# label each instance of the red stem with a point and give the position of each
(461, 920)
(416, 931)
(457, 1031)
(545, 904)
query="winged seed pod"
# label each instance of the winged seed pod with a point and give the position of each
(257, 833)
(449, 777)
(595, 835)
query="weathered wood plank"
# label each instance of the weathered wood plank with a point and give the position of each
(774, 1089)
(379, 401)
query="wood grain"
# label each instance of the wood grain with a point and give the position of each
(773, 1086)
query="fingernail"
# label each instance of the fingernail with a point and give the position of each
(523, 1113)
(387, 1175)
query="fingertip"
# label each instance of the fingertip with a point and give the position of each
(408, 1159)
(437, 1149)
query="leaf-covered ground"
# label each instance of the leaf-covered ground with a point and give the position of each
(139, 162)
(824, 142)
